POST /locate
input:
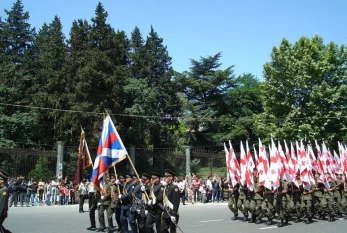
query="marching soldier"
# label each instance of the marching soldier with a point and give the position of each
(282, 203)
(329, 195)
(268, 205)
(257, 200)
(93, 208)
(141, 219)
(171, 200)
(344, 203)
(243, 202)
(114, 200)
(4, 195)
(338, 195)
(138, 204)
(306, 203)
(155, 204)
(119, 185)
(294, 194)
(233, 199)
(319, 197)
(105, 201)
(126, 204)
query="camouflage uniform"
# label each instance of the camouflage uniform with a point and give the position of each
(294, 199)
(319, 201)
(330, 208)
(282, 203)
(268, 205)
(338, 196)
(233, 198)
(256, 202)
(306, 204)
(243, 202)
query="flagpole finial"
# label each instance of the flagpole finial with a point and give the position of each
(106, 111)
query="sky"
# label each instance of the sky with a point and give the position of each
(244, 31)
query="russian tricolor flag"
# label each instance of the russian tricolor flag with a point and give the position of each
(110, 151)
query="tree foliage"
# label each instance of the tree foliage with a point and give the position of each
(305, 90)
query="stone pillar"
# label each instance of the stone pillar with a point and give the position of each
(188, 160)
(60, 155)
(132, 157)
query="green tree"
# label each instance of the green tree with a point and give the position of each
(305, 91)
(17, 38)
(204, 89)
(240, 107)
(50, 83)
(41, 170)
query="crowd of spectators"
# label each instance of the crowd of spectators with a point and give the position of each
(195, 189)
(37, 193)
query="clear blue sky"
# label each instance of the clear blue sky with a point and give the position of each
(245, 31)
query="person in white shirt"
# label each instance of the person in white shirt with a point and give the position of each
(181, 188)
(82, 189)
(54, 186)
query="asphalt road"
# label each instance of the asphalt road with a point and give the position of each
(197, 218)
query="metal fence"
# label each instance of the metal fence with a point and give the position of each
(22, 161)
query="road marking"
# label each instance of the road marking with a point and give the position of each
(217, 220)
(264, 228)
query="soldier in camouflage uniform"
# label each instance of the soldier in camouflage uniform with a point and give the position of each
(294, 196)
(268, 205)
(105, 205)
(282, 203)
(233, 198)
(306, 203)
(256, 200)
(329, 195)
(344, 194)
(338, 195)
(319, 201)
(243, 202)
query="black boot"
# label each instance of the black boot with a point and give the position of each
(252, 219)
(269, 222)
(345, 217)
(245, 218)
(258, 221)
(235, 217)
(309, 220)
(280, 224)
(287, 220)
(297, 220)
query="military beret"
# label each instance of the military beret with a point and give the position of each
(128, 175)
(169, 173)
(120, 175)
(155, 175)
(112, 176)
(134, 176)
(146, 176)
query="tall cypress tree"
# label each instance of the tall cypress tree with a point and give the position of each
(17, 39)
(50, 82)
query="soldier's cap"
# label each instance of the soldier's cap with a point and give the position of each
(112, 176)
(145, 176)
(129, 175)
(3, 175)
(120, 175)
(169, 173)
(134, 176)
(155, 175)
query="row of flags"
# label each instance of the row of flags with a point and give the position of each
(290, 164)
(110, 152)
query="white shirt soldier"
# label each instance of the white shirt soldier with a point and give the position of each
(171, 200)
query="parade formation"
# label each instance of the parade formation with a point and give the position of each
(295, 186)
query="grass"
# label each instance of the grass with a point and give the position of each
(206, 171)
